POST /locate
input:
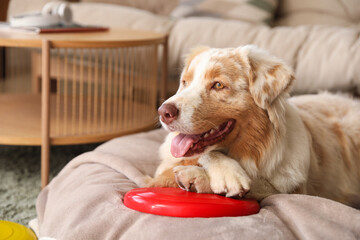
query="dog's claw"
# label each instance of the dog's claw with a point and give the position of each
(179, 183)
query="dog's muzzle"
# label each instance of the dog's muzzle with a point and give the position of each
(168, 113)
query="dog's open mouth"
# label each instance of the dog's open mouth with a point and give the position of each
(186, 145)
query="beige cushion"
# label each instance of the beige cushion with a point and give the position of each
(254, 11)
(323, 57)
(329, 59)
(162, 7)
(334, 12)
(120, 17)
(85, 201)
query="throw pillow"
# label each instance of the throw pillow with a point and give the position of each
(254, 11)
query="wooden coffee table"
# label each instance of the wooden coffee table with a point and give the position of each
(106, 85)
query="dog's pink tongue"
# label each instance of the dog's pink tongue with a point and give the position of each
(181, 144)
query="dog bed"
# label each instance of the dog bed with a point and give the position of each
(85, 202)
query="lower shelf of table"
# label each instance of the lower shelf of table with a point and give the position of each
(20, 124)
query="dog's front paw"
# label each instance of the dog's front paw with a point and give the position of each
(229, 182)
(226, 175)
(192, 178)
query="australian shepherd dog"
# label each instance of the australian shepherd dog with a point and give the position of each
(234, 130)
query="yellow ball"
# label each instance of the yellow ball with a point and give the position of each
(15, 231)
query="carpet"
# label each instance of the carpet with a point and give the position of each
(20, 177)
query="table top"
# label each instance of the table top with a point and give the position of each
(111, 38)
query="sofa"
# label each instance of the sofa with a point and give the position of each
(300, 32)
(319, 39)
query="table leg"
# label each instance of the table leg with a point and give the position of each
(164, 77)
(2, 63)
(45, 113)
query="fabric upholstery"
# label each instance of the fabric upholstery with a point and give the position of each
(329, 12)
(334, 49)
(162, 7)
(85, 201)
(254, 11)
(323, 57)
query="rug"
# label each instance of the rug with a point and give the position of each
(20, 177)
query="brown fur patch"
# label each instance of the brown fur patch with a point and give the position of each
(187, 162)
(257, 98)
(213, 73)
(255, 132)
(228, 66)
(253, 73)
(166, 179)
(336, 128)
(266, 88)
(188, 76)
(273, 70)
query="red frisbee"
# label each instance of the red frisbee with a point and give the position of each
(175, 202)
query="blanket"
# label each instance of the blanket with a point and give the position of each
(85, 201)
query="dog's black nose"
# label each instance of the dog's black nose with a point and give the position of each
(168, 112)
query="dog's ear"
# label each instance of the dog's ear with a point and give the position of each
(269, 77)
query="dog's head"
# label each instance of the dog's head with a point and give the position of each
(224, 95)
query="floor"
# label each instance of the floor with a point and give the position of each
(20, 177)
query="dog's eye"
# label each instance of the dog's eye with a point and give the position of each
(183, 83)
(218, 86)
